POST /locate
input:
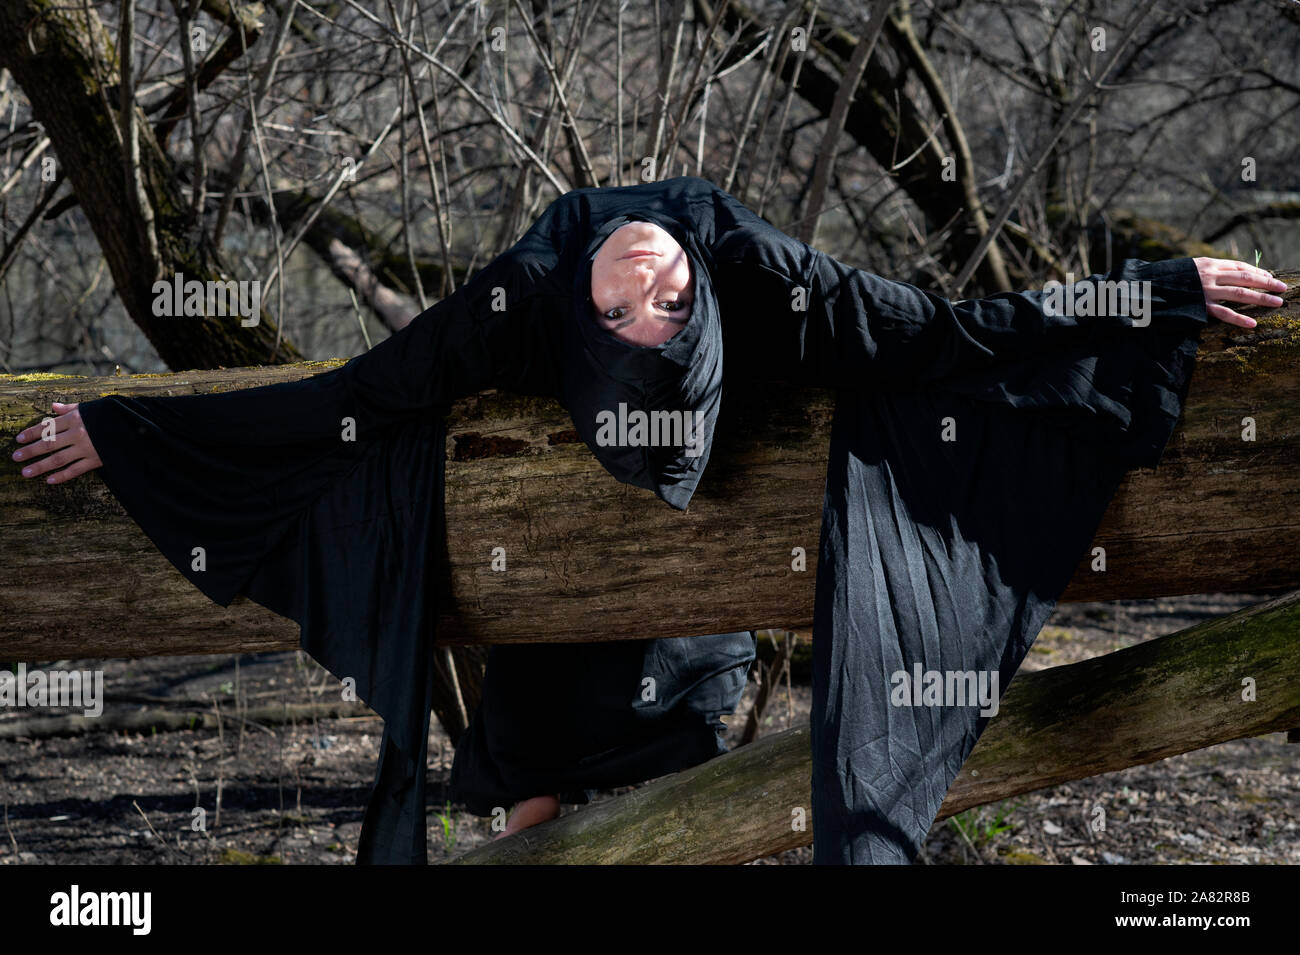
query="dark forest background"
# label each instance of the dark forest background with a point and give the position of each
(375, 154)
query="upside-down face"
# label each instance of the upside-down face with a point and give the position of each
(641, 285)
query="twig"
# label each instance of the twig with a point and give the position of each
(310, 219)
(185, 15)
(961, 830)
(618, 94)
(33, 153)
(667, 73)
(279, 768)
(131, 140)
(1067, 118)
(221, 749)
(780, 126)
(557, 86)
(767, 81)
(10, 252)
(198, 802)
(769, 677)
(161, 840)
(404, 181)
(263, 84)
(448, 283)
(449, 280)
(455, 686)
(473, 94)
(241, 711)
(689, 92)
(849, 83)
(788, 647)
(361, 319)
(306, 678)
(280, 254)
(12, 840)
(699, 144)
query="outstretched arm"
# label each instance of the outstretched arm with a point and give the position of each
(847, 326)
(497, 330)
(471, 340)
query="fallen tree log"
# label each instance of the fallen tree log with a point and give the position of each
(587, 555)
(1167, 696)
(175, 717)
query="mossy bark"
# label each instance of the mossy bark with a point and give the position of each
(586, 555)
(1168, 696)
(66, 63)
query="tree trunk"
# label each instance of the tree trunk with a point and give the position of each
(586, 554)
(1145, 703)
(65, 62)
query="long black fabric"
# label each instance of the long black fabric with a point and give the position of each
(567, 719)
(975, 446)
(954, 518)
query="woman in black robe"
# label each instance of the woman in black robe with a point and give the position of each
(974, 450)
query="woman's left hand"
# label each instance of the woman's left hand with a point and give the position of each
(1227, 280)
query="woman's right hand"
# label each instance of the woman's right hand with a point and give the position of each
(68, 452)
(1229, 280)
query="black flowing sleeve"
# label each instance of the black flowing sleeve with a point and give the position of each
(1107, 356)
(846, 326)
(322, 499)
(501, 329)
(223, 472)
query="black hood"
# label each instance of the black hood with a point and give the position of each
(646, 413)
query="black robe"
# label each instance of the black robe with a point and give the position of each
(941, 548)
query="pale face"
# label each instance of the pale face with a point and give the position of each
(642, 289)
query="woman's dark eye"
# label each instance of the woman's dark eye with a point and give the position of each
(615, 313)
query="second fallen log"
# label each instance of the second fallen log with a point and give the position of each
(1233, 677)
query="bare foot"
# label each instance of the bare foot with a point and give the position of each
(529, 813)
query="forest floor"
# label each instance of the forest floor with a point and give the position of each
(294, 793)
